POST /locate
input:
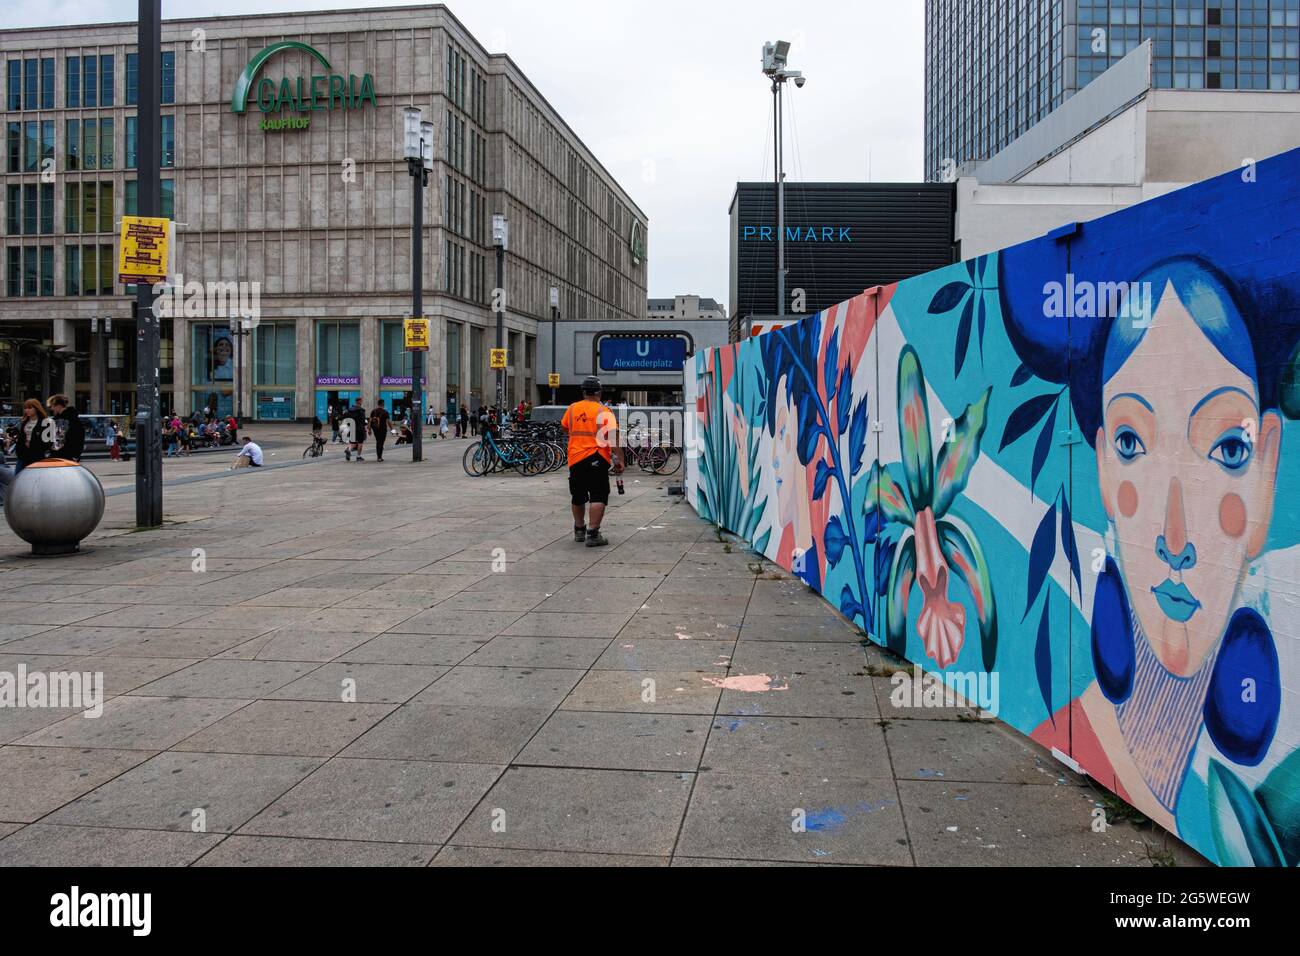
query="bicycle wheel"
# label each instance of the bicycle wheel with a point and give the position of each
(656, 458)
(309, 452)
(672, 460)
(475, 460)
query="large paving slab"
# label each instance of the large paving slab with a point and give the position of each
(330, 690)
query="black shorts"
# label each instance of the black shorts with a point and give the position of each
(589, 481)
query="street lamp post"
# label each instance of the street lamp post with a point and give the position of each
(555, 314)
(417, 148)
(239, 328)
(774, 60)
(148, 432)
(500, 239)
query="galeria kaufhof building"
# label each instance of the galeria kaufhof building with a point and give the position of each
(283, 171)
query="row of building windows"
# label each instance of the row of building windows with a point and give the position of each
(88, 270)
(88, 81)
(87, 144)
(87, 206)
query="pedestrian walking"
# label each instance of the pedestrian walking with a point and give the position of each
(442, 426)
(462, 423)
(115, 443)
(357, 437)
(379, 428)
(72, 433)
(593, 452)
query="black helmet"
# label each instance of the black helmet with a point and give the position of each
(590, 385)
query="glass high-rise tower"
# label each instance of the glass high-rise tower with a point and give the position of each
(994, 68)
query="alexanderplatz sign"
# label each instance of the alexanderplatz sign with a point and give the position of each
(322, 91)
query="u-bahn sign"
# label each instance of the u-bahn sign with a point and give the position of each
(321, 91)
(642, 354)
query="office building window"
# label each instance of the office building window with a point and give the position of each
(89, 81)
(13, 209)
(338, 349)
(47, 208)
(72, 270)
(106, 81)
(167, 139)
(90, 144)
(132, 79)
(167, 91)
(14, 85)
(14, 146)
(129, 142)
(13, 272)
(72, 81)
(47, 144)
(105, 143)
(31, 146)
(30, 210)
(72, 145)
(72, 207)
(47, 83)
(31, 83)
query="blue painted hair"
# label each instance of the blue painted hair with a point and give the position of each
(1205, 296)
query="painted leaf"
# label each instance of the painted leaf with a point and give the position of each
(1022, 375)
(1042, 448)
(984, 311)
(857, 436)
(957, 457)
(1068, 544)
(885, 551)
(901, 576)
(819, 482)
(872, 525)
(1041, 553)
(1026, 417)
(963, 337)
(887, 495)
(760, 545)
(843, 400)
(831, 364)
(971, 265)
(1242, 833)
(849, 605)
(1279, 796)
(835, 539)
(914, 429)
(949, 297)
(810, 430)
(962, 552)
(1043, 662)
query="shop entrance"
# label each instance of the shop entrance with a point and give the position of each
(397, 403)
(325, 398)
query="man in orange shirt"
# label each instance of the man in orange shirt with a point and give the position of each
(593, 451)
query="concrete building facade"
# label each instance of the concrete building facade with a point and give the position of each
(1118, 142)
(994, 68)
(305, 197)
(690, 307)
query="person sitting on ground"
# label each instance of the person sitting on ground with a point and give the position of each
(252, 451)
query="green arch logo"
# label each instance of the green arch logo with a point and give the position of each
(244, 85)
(636, 242)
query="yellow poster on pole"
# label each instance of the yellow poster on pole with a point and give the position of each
(416, 334)
(553, 380)
(498, 358)
(142, 250)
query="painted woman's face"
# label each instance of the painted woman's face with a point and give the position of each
(1187, 471)
(221, 350)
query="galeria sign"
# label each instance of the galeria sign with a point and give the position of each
(322, 91)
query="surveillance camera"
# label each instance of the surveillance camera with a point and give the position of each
(800, 81)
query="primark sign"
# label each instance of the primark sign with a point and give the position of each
(821, 234)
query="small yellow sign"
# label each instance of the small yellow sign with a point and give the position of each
(553, 380)
(416, 334)
(498, 358)
(142, 250)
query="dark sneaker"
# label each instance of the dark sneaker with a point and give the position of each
(580, 534)
(596, 540)
(347, 453)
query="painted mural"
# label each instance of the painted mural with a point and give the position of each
(1074, 464)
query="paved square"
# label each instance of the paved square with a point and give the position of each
(344, 687)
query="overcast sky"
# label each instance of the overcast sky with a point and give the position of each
(669, 95)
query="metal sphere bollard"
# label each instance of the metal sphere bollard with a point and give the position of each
(54, 504)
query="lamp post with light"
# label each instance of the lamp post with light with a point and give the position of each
(417, 149)
(555, 314)
(500, 239)
(774, 60)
